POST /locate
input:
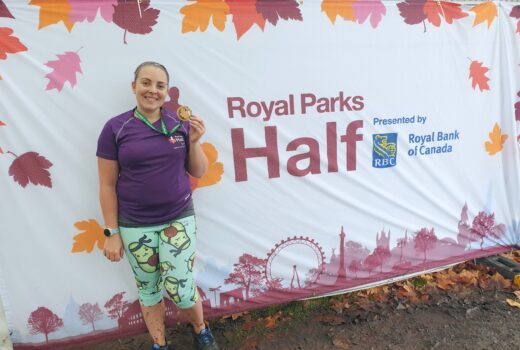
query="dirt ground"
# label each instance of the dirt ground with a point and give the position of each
(440, 313)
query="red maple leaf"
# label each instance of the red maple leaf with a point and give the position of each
(135, 16)
(8, 43)
(4, 11)
(245, 15)
(31, 167)
(412, 11)
(477, 74)
(435, 9)
(64, 69)
(272, 10)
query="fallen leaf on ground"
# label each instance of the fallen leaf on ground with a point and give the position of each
(513, 303)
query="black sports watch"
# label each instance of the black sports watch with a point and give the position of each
(110, 231)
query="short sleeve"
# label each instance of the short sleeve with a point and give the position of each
(107, 147)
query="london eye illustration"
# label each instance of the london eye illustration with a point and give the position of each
(281, 272)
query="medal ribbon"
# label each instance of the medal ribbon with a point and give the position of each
(164, 130)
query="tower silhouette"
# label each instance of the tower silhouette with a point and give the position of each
(342, 272)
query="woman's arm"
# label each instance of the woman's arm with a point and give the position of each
(197, 160)
(108, 174)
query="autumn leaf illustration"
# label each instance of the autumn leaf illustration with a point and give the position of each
(4, 11)
(64, 69)
(215, 169)
(435, 9)
(198, 14)
(31, 167)
(8, 43)
(412, 11)
(477, 74)
(497, 140)
(81, 10)
(373, 8)
(52, 12)
(135, 16)
(245, 15)
(91, 233)
(335, 8)
(274, 10)
(486, 11)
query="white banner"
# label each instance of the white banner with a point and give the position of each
(349, 142)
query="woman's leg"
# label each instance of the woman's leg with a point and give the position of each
(142, 248)
(195, 316)
(177, 252)
(154, 319)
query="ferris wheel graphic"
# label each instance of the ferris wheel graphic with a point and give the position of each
(281, 266)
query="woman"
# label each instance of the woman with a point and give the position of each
(143, 158)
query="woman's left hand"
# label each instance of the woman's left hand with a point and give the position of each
(197, 129)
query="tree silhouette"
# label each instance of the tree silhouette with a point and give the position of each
(381, 254)
(424, 240)
(116, 307)
(371, 262)
(43, 320)
(401, 243)
(90, 313)
(484, 226)
(247, 273)
(355, 266)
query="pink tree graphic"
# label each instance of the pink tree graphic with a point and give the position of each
(90, 313)
(424, 240)
(381, 254)
(116, 307)
(44, 321)
(484, 226)
(371, 262)
(355, 266)
(401, 243)
(247, 273)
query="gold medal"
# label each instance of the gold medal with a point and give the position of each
(184, 113)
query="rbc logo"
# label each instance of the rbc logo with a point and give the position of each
(384, 153)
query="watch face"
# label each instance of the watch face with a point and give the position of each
(107, 232)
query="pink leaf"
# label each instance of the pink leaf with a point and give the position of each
(373, 8)
(64, 69)
(31, 167)
(81, 10)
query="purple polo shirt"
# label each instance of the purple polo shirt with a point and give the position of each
(153, 185)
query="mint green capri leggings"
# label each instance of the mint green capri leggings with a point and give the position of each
(162, 256)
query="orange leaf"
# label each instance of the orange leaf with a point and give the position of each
(435, 9)
(335, 8)
(270, 321)
(53, 11)
(497, 140)
(215, 169)
(245, 15)
(198, 14)
(477, 72)
(487, 11)
(445, 284)
(513, 303)
(501, 282)
(8, 43)
(91, 234)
